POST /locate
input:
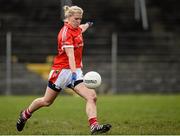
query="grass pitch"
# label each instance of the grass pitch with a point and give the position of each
(128, 114)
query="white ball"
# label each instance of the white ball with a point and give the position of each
(92, 79)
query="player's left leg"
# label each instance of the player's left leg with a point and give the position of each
(90, 96)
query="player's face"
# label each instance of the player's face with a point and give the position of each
(75, 20)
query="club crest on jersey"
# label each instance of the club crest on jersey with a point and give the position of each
(55, 73)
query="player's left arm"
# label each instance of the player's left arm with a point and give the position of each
(85, 26)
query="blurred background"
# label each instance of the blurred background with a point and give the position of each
(134, 44)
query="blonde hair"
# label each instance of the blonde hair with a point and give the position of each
(70, 10)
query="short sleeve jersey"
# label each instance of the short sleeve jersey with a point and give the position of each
(68, 37)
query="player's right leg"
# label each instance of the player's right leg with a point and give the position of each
(46, 100)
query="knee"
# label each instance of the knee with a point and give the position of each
(47, 103)
(92, 96)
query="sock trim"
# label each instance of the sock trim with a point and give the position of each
(93, 121)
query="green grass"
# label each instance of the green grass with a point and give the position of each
(128, 114)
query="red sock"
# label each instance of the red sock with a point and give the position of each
(26, 114)
(93, 121)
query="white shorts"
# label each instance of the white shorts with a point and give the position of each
(59, 80)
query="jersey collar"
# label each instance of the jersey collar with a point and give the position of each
(70, 26)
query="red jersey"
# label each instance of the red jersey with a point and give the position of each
(69, 37)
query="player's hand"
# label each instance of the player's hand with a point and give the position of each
(90, 23)
(73, 78)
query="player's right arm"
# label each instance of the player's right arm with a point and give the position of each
(70, 53)
(66, 40)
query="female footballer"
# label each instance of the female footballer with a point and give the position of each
(66, 71)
